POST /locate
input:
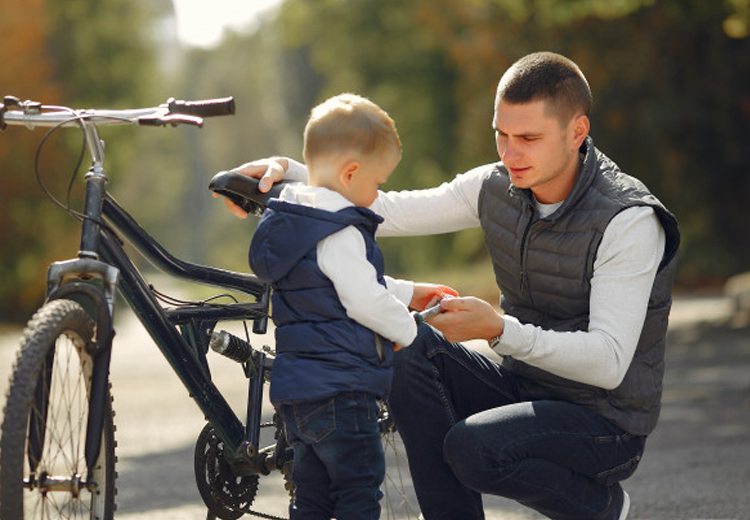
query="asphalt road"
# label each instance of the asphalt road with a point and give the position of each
(697, 462)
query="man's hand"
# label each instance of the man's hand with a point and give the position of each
(269, 171)
(467, 318)
(233, 208)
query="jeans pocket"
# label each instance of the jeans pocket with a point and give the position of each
(315, 420)
(634, 447)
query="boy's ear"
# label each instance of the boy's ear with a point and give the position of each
(347, 171)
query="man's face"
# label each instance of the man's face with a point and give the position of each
(539, 153)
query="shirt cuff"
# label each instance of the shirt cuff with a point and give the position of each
(295, 171)
(401, 289)
(513, 340)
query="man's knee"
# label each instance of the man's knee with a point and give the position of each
(463, 452)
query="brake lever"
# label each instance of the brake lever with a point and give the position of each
(170, 119)
(12, 102)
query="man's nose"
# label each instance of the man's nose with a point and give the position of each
(509, 152)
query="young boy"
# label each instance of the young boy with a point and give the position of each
(337, 316)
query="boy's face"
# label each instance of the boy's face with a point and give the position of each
(361, 183)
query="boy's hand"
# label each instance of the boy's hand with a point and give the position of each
(427, 294)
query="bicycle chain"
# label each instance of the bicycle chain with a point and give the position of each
(265, 515)
(259, 514)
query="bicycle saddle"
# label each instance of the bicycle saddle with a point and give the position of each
(243, 191)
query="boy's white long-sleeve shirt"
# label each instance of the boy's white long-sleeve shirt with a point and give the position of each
(342, 258)
(624, 271)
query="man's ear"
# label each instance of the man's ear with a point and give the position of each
(347, 171)
(581, 127)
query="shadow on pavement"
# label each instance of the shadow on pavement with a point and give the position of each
(696, 463)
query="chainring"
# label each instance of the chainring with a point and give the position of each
(226, 495)
(282, 447)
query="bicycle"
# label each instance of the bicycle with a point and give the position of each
(57, 444)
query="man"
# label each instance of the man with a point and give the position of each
(584, 257)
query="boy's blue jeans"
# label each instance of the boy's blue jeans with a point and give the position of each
(468, 429)
(339, 463)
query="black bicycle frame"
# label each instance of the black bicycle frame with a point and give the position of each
(196, 321)
(186, 349)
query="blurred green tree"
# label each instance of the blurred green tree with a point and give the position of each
(669, 79)
(26, 71)
(79, 53)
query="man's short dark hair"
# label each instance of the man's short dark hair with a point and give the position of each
(550, 77)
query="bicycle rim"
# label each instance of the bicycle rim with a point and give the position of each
(42, 463)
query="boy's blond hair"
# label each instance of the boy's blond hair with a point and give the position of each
(349, 122)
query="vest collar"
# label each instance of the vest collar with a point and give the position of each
(583, 182)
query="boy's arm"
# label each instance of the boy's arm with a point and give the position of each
(401, 289)
(342, 258)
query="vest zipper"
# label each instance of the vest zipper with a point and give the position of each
(524, 241)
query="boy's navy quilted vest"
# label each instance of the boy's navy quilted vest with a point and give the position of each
(319, 350)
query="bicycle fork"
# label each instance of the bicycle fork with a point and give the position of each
(72, 279)
(96, 282)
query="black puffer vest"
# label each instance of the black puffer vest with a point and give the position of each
(544, 269)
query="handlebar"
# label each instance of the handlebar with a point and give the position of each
(32, 113)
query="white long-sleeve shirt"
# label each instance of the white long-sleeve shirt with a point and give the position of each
(624, 271)
(342, 258)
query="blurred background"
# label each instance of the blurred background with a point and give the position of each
(671, 84)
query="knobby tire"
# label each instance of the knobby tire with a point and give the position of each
(45, 418)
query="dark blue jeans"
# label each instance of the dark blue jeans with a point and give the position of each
(339, 463)
(468, 429)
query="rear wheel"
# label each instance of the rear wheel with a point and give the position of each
(399, 499)
(42, 444)
(229, 494)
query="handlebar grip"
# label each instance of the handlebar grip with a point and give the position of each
(202, 108)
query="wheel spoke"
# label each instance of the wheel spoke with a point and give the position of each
(60, 490)
(55, 369)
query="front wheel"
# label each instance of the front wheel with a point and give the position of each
(42, 461)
